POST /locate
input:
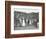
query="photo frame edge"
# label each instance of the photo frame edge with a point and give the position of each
(7, 33)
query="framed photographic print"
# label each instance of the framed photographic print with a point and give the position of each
(24, 19)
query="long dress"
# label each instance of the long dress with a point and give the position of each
(23, 22)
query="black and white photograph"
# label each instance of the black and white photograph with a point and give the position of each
(23, 20)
